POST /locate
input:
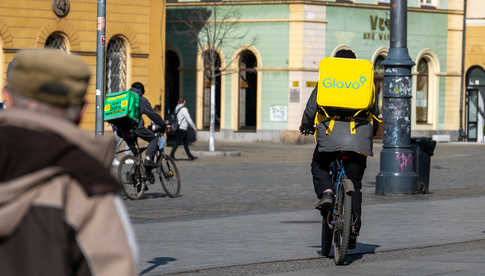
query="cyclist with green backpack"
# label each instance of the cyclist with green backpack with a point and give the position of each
(130, 132)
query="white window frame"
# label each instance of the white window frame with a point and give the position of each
(383, 1)
(433, 3)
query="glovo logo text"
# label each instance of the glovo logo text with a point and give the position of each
(333, 83)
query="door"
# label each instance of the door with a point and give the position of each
(472, 114)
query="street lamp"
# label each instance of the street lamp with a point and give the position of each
(397, 175)
(100, 56)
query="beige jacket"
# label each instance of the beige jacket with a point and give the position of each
(59, 209)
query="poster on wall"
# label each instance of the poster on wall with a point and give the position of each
(278, 113)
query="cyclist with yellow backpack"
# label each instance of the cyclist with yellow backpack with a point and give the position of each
(339, 113)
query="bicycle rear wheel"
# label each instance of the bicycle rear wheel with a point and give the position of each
(169, 176)
(343, 223)
(327, 231)
(130, 174)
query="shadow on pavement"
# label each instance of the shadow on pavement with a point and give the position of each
(354, 254)
(359, 252)
(154, 195)
(156, 262)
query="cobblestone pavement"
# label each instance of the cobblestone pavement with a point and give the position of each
(458, 259)
(276, 177)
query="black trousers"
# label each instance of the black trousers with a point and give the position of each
(182, 139)
(144, 133)
(354, 169)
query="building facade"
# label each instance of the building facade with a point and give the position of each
(135, 40)
(267, 74)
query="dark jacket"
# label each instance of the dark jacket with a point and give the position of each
(59, 209)
(146, 108)
(340, 139)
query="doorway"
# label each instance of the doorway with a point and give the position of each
(248, 82)
(172, 82)
(474, 104)
(210, 56)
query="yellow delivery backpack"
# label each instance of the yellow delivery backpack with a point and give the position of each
(345, 90)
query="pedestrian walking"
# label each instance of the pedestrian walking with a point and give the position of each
(60, 213)
(185, 125)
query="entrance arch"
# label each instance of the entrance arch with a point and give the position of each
(474, 104)
(248, 93)
(172, 81)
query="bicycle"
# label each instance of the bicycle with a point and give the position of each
(337, 219)
(134, 176)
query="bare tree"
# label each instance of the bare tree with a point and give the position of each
(212, 28)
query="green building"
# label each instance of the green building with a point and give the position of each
(267, 64)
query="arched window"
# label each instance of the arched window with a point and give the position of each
(116, 65)
(56, 40)
(422, 92)
(209, 57)
(379, 81)
(345, 54)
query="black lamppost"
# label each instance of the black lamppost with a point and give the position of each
(100, 56)
(397, 175)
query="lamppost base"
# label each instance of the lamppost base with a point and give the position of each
(389, 183)
(398, 175)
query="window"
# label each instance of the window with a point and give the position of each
(56, 41)
(422, 92)
(116, 65)
(379, 82)
(429, 3)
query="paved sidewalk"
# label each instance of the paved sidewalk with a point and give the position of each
(186, 245)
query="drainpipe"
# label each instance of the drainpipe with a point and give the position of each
(461, 133)
(100, 55)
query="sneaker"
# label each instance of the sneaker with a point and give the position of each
(325, 201)
(192, 158)
(138, 188)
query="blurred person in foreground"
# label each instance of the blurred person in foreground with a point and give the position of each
(59, 209)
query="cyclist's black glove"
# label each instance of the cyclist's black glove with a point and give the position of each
(307, 130)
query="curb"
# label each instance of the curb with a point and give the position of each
(217, 153)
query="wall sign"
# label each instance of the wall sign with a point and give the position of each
(278, 113)
(380, 28)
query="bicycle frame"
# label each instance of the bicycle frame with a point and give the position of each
(341, 171)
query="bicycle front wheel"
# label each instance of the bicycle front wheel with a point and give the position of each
(343, 224)
(130, 175)
(169, 176)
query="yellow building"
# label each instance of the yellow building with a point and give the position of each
(135, 40)
(474, 93)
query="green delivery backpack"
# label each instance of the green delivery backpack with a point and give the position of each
(122, 108)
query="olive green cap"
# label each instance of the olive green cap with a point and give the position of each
(50, 76)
